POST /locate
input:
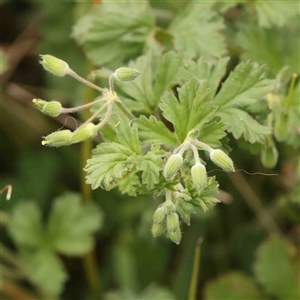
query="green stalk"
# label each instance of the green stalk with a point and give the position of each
(194, 279)
(90, 263)
(291, 91)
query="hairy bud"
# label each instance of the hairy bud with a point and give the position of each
(58, 139)
(159, 215)
(84, 132)
(51, 108)
(269, 156)
(172, 222)
(173, 164)
(221, 159)
(158, 229)
(169, 207)
(175, 236)
(281, 127)
(54, 65)
(126, 74)
(199, 176)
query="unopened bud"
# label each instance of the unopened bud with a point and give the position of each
(221, 159)
(281, 127)
(189, 208)
(169, 207)
(84, 132)
(172, 222)
(186, 217)
(158, 229)
(269, 156)
(55, 65)
(199, 176)
(126, 74)
(173, 164)
(159, 215)
(51, 108)
(175, 236)
(58, 139)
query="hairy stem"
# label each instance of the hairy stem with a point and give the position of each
(90, 263)
(81, 107)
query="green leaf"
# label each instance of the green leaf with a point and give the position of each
(245, 85)
(234, 285)
(211, 134)
(189, 112)
(275, 13)
(143, 95)
(128, 184)
(155, 132)
(239, 123)
(211, 70)
(277, 269)
(128, 136)
(270, 46)
(71, 225)
(46, 271)
(108, 163)
(150, 165)
(114, 32)
(196, 31)
(25, 225)
(166, 75)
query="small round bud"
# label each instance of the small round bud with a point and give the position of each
(172, 222)
(159, 215)
(158, 229)
(221, 159)
(281, 127)
(175, 236)
(169, 207)
(54, 65)
(186, 217)
(58, 139)
(189, 208)
(269, 156)
(84, 132)
(52, 108)
(126, 74)
(172, 165)
(199, 176)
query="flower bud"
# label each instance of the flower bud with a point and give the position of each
(55, 65)
(269, 156)
(221, 159)
(175, 236)
(172, 165)
(84, 132)
(281, 127)
(199, 176)
(172, 222)
(159, 215)
(126, 74)
(186, 217)
(189, 208)
(158, 229)
(58, 139)
(169, 207)
(52, 108)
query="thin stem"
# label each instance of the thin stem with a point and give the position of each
(195, 274)
(111, 82)
(86, 82)
(202, 145)
(196, 154)
(8, 187)
(288, 101)
(183, 148)
(125, 110)
(106, 118)
(89, 260)
(96, 113)
(81, 107)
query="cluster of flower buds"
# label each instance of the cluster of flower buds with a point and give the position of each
(198, 170)
(66, 137)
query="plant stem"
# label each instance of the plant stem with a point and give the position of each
(90, 263)
(81, 107)
(291, 91)
(125, 110)
(91, 118)
(195, 274)
(86, 82)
